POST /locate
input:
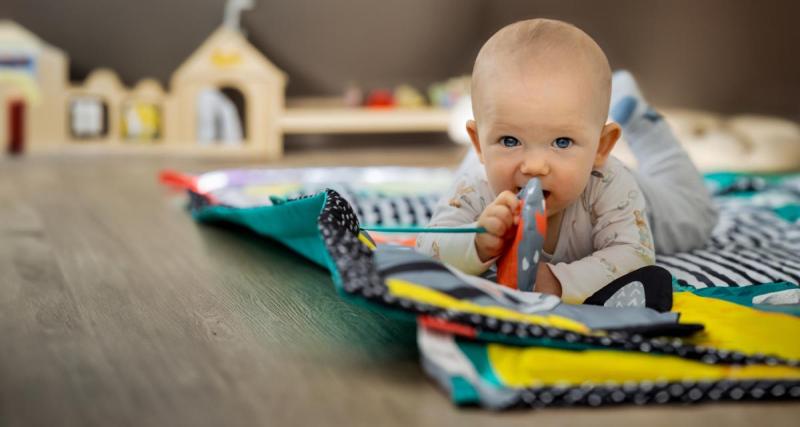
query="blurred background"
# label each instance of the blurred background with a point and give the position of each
(716, 56)
(730, 56)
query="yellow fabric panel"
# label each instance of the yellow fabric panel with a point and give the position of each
(732, 326)
(537, 366)
(405, 289)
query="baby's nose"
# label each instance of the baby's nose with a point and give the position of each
(535, 165)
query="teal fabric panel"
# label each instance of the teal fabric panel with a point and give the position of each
(476, 353)
(462, 392)
(793, 309)
(790, 213)
(789, 210)
(293, 224)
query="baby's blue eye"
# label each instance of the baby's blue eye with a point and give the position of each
(562, 142)
(509, 141)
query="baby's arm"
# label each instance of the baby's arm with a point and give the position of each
(461, 207)
(621, 238)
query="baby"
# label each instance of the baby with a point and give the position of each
(540, 97)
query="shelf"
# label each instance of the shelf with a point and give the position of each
(364, 120)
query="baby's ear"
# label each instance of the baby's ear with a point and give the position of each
(472, 130)
(608, 138)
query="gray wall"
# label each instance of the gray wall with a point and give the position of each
(725, 55)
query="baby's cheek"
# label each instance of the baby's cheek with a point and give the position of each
(496, 188)
(572, 187)
(496, 182)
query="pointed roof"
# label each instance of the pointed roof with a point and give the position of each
(227, 51)
(48, 67)
(16, 37)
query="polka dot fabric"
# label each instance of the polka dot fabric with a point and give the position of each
(648, 392)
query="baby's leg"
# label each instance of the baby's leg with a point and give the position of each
(679, 207)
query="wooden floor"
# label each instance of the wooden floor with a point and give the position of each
(117, 309)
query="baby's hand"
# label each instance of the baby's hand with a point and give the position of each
(546, 281)
(498, 219)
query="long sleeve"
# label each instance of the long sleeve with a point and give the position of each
(460, 207)
(621, 239)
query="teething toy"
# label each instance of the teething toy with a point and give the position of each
(517, 267)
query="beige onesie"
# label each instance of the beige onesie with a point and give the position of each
(604, 234)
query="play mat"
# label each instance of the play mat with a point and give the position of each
(719, 323)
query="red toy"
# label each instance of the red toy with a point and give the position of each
(380, 98)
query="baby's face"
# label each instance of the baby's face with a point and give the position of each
(541, 125)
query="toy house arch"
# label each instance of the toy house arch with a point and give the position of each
(143, 112)
(227, 60)
(104, 86)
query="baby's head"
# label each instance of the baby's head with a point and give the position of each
(540, 94)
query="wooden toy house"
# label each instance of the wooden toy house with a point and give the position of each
(38, 104)
(33, 88)
(227, 62)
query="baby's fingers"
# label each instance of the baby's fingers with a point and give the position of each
(497, 224)
(509, 199)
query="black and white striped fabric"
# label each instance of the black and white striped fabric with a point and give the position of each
(411, 210)
(748, 246)
(751, 244)
(396, 211)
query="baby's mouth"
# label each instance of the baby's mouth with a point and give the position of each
(545, 193)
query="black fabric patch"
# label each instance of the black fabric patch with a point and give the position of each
(657, 283)
(413, 266)
(672, 329)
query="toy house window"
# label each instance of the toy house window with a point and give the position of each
(88, 117)
(141, 121)
(236, 98)
(219, 120)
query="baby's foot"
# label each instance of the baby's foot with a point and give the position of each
(627, 104)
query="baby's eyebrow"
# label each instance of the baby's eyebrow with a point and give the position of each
(564, 127)
(500, 126)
